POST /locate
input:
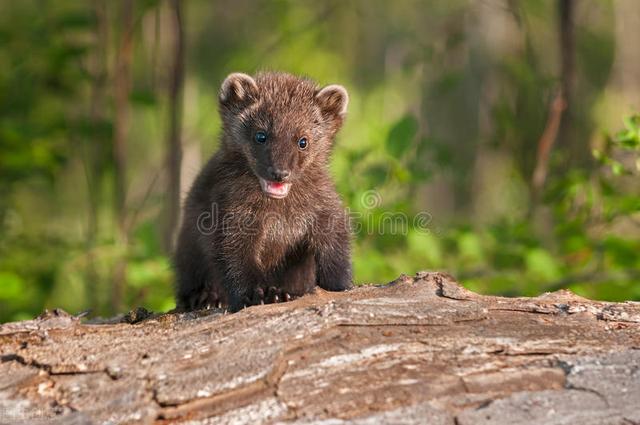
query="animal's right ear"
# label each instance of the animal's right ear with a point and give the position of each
(333, 100)
(238, 91)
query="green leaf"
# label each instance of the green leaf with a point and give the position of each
(402, 135)
(425, 247)
(632, 123)
(621, 252)
(10, 285)
(470, 247)
(617, 168)
(143, 97)
(376, 175)
(542, 265)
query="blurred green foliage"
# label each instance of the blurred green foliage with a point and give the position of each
(449, 101)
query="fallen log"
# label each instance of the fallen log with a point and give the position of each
(420, 350)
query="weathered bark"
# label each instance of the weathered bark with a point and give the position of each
(419, 350)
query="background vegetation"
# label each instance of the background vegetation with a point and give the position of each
(506, 127)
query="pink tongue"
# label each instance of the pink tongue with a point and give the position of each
(276, 185)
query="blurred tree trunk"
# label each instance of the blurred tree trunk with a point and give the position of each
(559, 117)
(174, 144)
(93, 155)
(566, 31)
(567, 47)
(122, 89)
(626, 79)
(155, 52)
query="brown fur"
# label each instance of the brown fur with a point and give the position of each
(237, 245)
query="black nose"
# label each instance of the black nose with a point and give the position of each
(278, 174)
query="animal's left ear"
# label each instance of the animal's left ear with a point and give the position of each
(333, 100)
(238, 91)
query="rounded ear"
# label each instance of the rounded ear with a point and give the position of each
(333, 99)
(238, 89)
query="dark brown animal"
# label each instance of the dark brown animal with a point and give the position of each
(263, 221)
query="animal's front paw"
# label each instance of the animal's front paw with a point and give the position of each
(278, 295)
(270, 295)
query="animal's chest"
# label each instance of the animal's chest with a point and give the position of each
(278, 235)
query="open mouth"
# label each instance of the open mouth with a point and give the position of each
(274, 189)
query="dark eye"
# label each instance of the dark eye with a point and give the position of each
(261, 137)
(303, 143)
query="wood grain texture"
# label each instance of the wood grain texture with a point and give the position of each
(420, 350)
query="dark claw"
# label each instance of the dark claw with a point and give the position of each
(272, 293)
(276, 298)
(258, 296)
(287, 297)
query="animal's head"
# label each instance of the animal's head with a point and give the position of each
(282, 124)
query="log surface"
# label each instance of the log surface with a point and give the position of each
(420, 350)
